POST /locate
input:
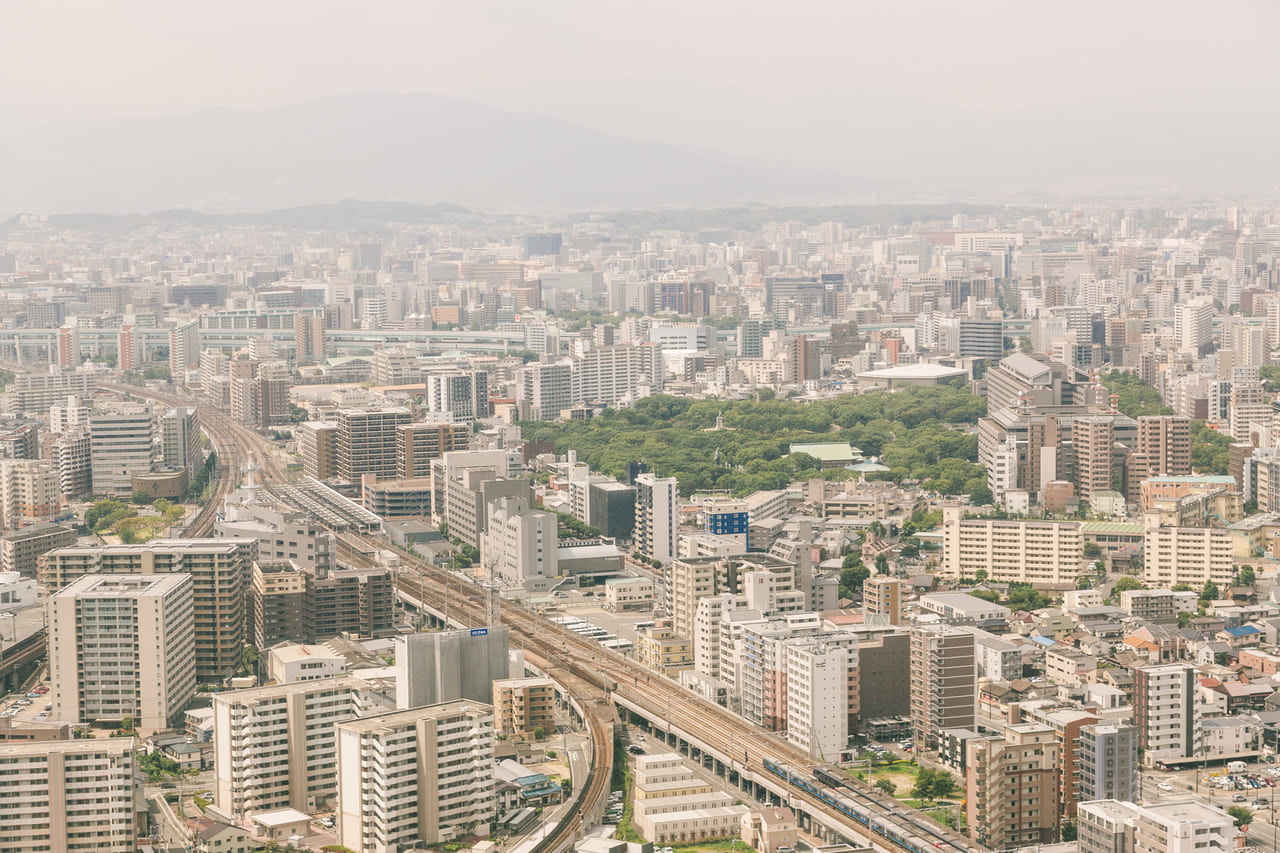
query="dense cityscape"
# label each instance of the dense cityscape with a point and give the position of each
(924, 529)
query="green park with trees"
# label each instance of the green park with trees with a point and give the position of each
(923, 434)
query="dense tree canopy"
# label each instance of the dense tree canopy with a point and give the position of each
(1135, 397)
(910, 429)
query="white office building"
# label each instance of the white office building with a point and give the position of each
(119, 447)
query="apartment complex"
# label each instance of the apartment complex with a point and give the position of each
(275, 746)
(318, 447)
(523, 705)
(418, 443)
(883, 598)
(1011, 787)
(122, 647)
(1190, 555)
(1011, 551)
(119, 447)
(29, 492)
(1180, 826)
(20, 551)
(366, 442)
(415, 777)
(69, 796)
(220, 572)
(942, 681)
(657, 505)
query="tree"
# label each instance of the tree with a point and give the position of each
(1092, 550)
(1245, 576)
(1209, 592)
(539, 733)
(1242, 815)
(141, 497)
(882, 564)
(1127, 584)
(987, 595)
(933, 784)
(887, 786)
(910, 550)
(1068, 830)
(249, 660)
(1184, 619)
(944, 785)
(851, 561)
(851, 580)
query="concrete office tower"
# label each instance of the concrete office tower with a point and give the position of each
(184, 350)
(180, 439)
(318, 447)
(942, 681)
(882, 599)
(367, 442)
(1108, 762)
(309, 338)
(70, 796)
(1165, 711)
(450, 665)
(1011, 787)
(1180, 826)
(123, 646)
(657, 516)
(520, 544)
(418, 443)
(1093, 440)
(219, 570)
(275, 747)
(415, 777)
(119, 447)
(30, 492)
(460, 397)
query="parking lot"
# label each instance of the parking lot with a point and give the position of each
(34, 705)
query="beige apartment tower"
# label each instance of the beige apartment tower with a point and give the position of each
(416, 777)
(882, 599)
(1011, 797)
(122, 647)
(523, 705)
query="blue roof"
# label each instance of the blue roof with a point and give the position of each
(1044, 641)
(1243, 631)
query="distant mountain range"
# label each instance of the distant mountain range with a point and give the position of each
(412, 148)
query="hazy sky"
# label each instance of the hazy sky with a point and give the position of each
(92, 59)
(1081, 96)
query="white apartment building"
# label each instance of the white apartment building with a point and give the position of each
(822, 693)
(119, 446)
(1190, 555)
(123, 646)
(1166, 711)
(275, 746)
(1036, 552)
(657, 514)
(416, 777)
(72, 457)
(544, 390)
(69, 796)
(1179, 826)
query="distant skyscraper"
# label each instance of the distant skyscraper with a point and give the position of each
(184, 350)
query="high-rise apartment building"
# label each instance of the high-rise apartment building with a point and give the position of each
(1193, 325)
(69, 796)
(367, 442)
(119, 447)
(1108, 756)
(657, 514)
(1011, 787)
(822, 693)
(1165, 711)
(1163, 449)
(123, 647)
(318, 447)
(416, 777)
(418, 443)
(1010, 550)
(275, 747)
(942, 681)
(73, 458)
(520, 544)
(309, 337)
(180, 438)
(219, 569)
(184, 350)
(460, 397)
(30, 492)
(544, 390)
(1093, 443)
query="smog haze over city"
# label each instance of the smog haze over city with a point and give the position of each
(666, 427)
